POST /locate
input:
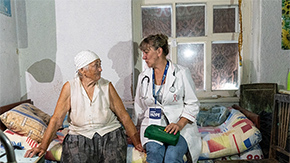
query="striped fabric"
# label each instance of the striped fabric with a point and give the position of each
(24, 120)
(20, 140)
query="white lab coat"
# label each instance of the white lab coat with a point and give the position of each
(181, 103)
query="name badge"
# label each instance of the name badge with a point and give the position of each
(155, 116)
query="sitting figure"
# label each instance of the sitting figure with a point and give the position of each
(165, 96)
(95, 112)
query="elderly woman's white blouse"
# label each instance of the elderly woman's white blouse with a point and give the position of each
(86, 117)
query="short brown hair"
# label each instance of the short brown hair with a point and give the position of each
(155, 41)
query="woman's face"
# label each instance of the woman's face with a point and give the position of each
(150, 56)
(94, 70)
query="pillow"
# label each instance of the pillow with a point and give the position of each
(213, 117)
(135, 156)
(54, 153)
(22, 141)
(27, 120)
(238, 135)
(54, 149)
(44, 116)
(254, 153)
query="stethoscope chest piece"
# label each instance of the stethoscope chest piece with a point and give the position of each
(172, 89)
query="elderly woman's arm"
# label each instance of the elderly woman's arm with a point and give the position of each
(118, 108)
(62, 107)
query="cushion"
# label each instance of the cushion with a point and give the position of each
(19, 140)
(134, 156)
(54, 149)
(236, 135)
(254, 153)
(27, 120)
(54, 153)
(215, 116)
(44, 116)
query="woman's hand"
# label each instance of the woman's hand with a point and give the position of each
(140, 148)
(35, 151)
(172, 128)
(137, 143)
(175, 127)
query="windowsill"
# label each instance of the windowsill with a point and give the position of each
(219, 100)
(202, 100)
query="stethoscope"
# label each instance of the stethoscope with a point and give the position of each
(144, 92)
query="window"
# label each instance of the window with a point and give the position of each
(203, 36)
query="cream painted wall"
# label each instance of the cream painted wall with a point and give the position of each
(103, 26)
(270, 62)
(58, 30)
(9, 62)
(39, 74)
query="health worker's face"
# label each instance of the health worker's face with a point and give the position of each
(150, 56)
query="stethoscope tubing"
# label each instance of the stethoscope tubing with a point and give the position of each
(171, 89)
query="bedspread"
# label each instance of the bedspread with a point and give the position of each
(235, 138)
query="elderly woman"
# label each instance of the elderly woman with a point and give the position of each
(95, 112)
(168, 89)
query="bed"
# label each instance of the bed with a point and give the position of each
(239, 119)
(236, 137)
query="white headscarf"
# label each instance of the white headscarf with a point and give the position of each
(84, 58)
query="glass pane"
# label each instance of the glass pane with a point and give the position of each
(192, 56)
(224, 67)
(224, 20)
(190, 20)
(156, 20)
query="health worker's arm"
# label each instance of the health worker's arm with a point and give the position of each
(191, 104)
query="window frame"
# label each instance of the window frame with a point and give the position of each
(209, 37)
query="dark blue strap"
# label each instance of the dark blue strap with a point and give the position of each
(163, 78)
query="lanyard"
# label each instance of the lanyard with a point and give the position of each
(163, 78)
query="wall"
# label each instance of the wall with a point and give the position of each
(9, 63)
(49, 33)
(38, 69)
(58, 30)
(270, 62)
